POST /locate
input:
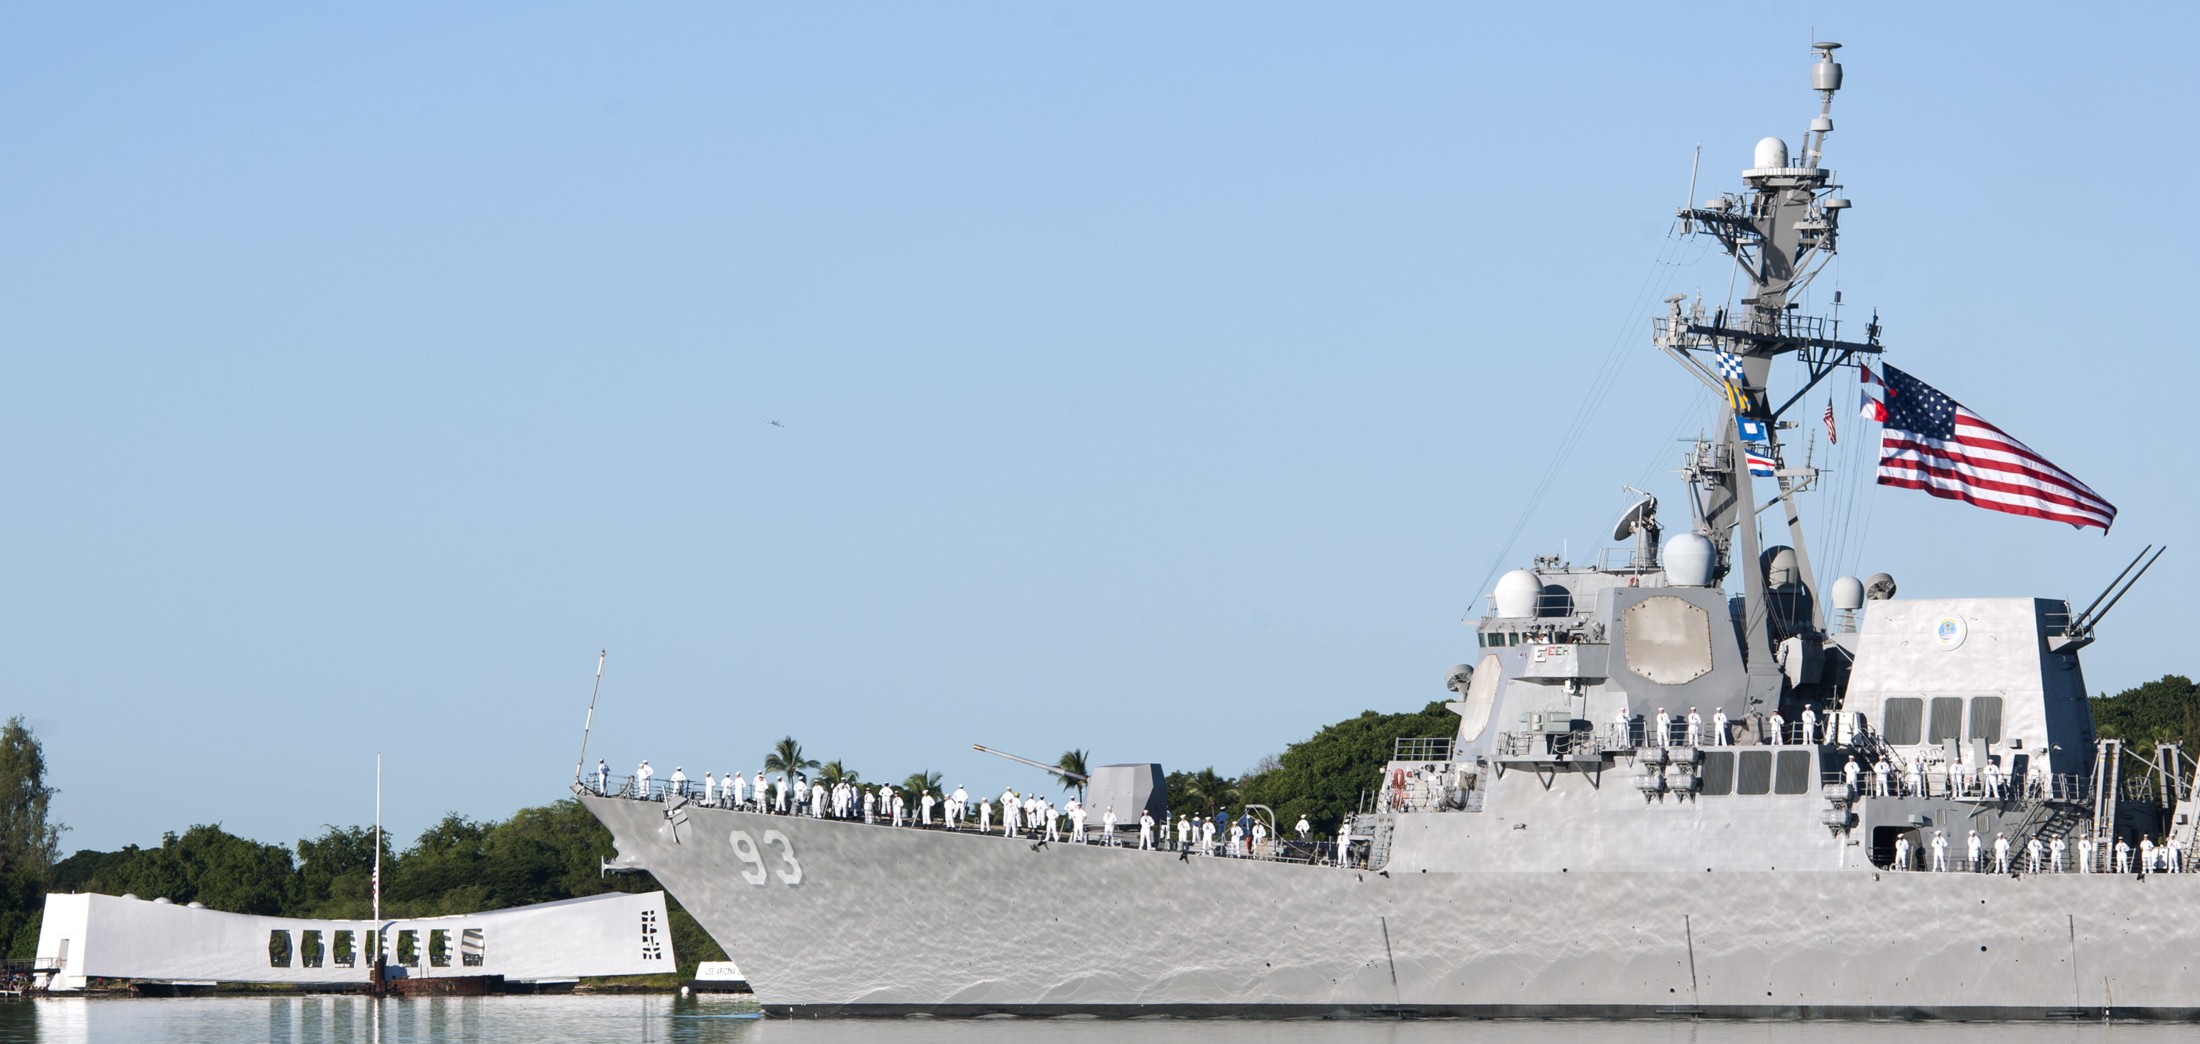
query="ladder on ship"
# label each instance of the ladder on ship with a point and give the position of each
(1379, 828)
(2108, 760)
(2180, 785)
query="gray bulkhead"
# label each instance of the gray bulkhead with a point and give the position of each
(1599, 644)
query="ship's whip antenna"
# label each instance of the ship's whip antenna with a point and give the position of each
(580, 766)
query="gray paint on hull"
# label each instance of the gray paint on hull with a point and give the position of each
(886, 920)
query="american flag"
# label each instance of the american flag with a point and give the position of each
(1931, 442)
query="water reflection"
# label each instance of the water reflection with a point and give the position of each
(644, 1019)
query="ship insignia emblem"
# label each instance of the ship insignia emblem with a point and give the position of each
(1949, 632)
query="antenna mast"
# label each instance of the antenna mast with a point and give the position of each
(581, 766)
(1780, 231)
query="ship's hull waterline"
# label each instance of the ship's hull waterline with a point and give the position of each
(854, 919)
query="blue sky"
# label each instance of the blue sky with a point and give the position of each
(1164, 380)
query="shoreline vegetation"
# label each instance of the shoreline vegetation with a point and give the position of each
(551, 852)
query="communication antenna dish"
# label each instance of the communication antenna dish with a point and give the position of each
(1642, 516)
(1879, 587)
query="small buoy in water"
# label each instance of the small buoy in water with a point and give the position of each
(683, 991)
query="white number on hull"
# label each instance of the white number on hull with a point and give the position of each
(790, 872)
(745, 847)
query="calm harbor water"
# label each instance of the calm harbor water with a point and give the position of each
(635, 1019)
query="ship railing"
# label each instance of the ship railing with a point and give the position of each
(1421, 748)
(1941, 783)
(1553, 744)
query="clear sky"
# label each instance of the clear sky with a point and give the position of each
(1164, 380)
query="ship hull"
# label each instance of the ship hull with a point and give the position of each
(844, 918)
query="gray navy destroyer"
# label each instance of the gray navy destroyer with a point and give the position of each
(1682, 783)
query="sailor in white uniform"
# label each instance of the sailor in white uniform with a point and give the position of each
(1779, 729)
(956, 805)
(1977, 847)
(985, 816)
(924, 808)
(1940, 851)
(1145, 831)
(1664, 723)
(710, 790)
(2085, 855)
(1622, 727)
(2032, 855)
(2055, 856)
(1810, 725)
(679, 782)
(1719, 737)
(2001, 853)
(1902, 852)
(1107, 826)
(2123, 856)
(1695, 728)
(641, 779)
(817, 801)
(603, 777)
(1850, 773)
(1305, 829)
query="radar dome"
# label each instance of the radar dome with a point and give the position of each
(1782, 568)
(1771, 152)
(1848, 593)
(1517, 592)
(165, 901)
(1879, 587)
(1689, 559)
(1458, 678)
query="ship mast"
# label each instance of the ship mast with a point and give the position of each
(1780, 231)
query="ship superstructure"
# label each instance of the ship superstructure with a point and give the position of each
(1685, 780)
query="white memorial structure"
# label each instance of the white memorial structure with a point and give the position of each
(86, 936)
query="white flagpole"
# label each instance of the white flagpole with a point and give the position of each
(378, 842)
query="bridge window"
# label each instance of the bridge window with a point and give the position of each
(309, 948)
(278, 949)
(1717, 776)
(341, 948)
(1947, 719)
(1986, 718)
(1753, 772)
(470, 949)
(1904, 718)
(408, 947)
(439, 947)
(1793, 776)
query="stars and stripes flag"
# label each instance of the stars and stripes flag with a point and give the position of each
(1931, 442)
(1833, 438)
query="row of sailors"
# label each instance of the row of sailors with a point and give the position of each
(1018, 813)
(1667, 730)
(2092, 857)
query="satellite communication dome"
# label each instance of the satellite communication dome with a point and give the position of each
(1771, 153)
(1458, 678)
(1689, 558)
(1879, 587)
(1517, 593)
(1782, 569)
(1848, 593)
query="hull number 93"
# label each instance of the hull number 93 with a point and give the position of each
(760, 864)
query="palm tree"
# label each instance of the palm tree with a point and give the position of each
(786, 756)
(920, 783)
(1207, 789)
(834, 774)
(1072, 770)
